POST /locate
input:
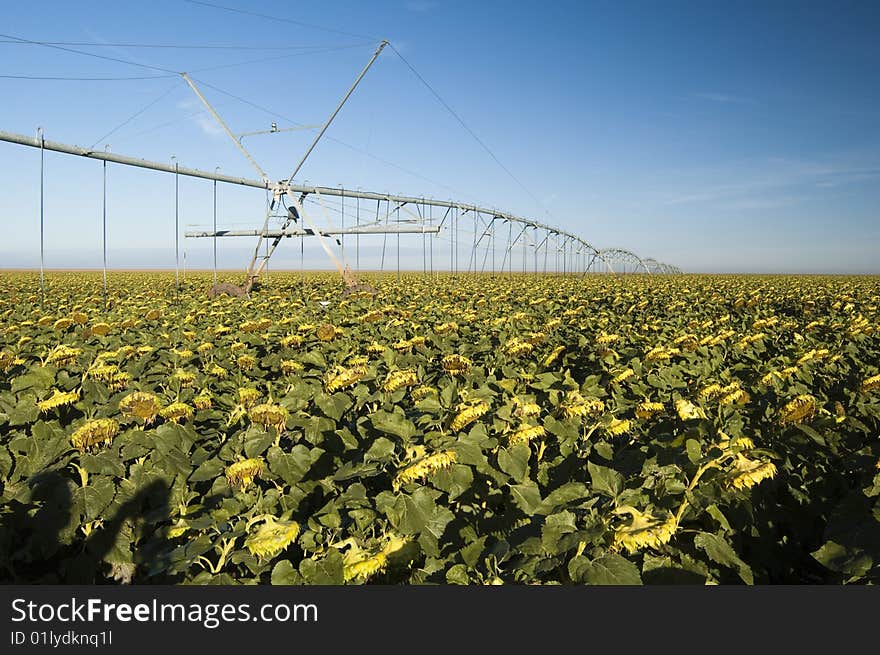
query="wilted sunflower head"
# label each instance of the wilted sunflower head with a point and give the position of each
(525, 434)
(141, 404)
(870, 384)
(248, 396)
(203, 400)
(688, 411)
(58, 399)
(243, 472)
(272, 537)
(456, 364)
(269, 415)
(468, 413)
(647, 409)
(362, 565)
(424, 468)
(420, 393)
(94, 432)
(618, 426)
(746, 473)
(642, 530)
(176, 412)
(398, 379)
(798, 410)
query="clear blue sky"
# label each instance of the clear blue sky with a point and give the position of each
(717, 136)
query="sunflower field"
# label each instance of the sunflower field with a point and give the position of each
(449, 430)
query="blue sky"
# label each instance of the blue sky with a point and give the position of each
(717, 136)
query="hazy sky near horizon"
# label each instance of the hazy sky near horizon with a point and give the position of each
(716, 136)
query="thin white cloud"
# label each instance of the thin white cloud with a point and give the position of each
(726, 98)
(767, 183)
(203, 119)
(420, 6)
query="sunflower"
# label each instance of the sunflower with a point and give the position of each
(618, 426)
(94, 432)
(292, 341)
(643, 530)
(468, 413)
(289, 367)
(746, 473)
(359, 566)
(216, 371)
(424, 468)
(525, 434)
(346, 378)
(176, 412)
(101, 329)
(62, 323)
(375, 348)
(243, 472)
(141, 404)
(710, 392)
(576, 406)
(420, 393)
(688, 411)
(63, 355)
(798, 410)
(246, 362)
(203, 400)
(326, 332)
(648, 409)
(446, 328)
(398, 379)
(456, 364)
(623, 375)
(248, 396)
(269, 415)
(58, 399)
(870, 384)
(184, 378)
(272, 537)
(553, 356)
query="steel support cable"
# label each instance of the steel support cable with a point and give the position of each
(327, 137)
(468, 129)
(54, 78)
(140, 111)
(279, 19)
(173, 46)
(91, 54)
(277, 57)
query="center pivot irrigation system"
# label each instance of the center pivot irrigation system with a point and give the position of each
(577, 254)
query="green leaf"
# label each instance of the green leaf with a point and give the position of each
(39, 379)
(95, 497)
(716, 514)
(208, 470)
(563, 496)
(283, 573)
(457, 575)
(293, 466)
(721, 552)
(326, 571)
(257, 442)
(605, 480)
(381, 450)
(610, 569)
(834, 556)
(454, 481)
(393, 423)
(515, 461)
(527, 497)
(419, 513)
(694, 450)
(333, 406)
